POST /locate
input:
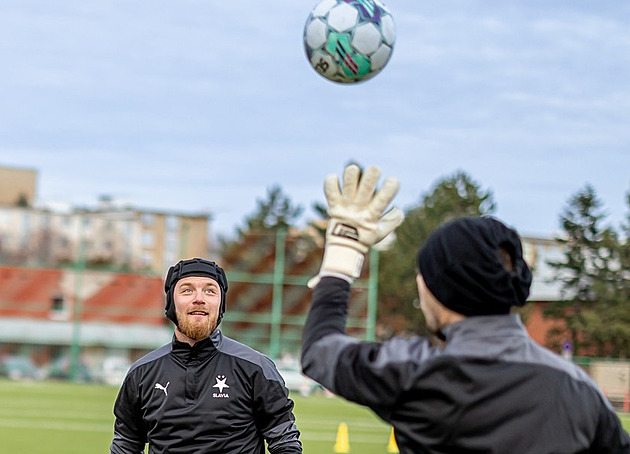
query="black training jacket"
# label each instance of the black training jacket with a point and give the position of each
(490, 389)
(218, 396)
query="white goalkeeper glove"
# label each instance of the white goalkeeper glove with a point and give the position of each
(356, 220)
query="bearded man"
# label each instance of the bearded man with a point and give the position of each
(203, 392)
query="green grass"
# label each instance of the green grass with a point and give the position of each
(46, 417)
(56, 417)
(50, 417)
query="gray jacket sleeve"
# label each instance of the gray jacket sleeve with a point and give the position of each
(369, 373)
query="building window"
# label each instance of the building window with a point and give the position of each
(108, 246)
(147, 259)
(172, 223)
(58, 307)
(147, 219)
(45, 221)
(148, 239)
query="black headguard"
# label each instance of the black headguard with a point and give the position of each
(193, 267)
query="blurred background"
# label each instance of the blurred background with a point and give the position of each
(133, 135)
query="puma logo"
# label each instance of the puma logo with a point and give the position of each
(163, 388)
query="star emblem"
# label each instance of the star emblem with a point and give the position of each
(221, 383)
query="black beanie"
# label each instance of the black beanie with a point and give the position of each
(193, 267)
(461, 266)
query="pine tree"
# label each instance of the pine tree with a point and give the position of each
(274, 212)
(586, 274)
(452, 197)
(612, 321)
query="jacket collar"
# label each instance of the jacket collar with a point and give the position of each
(201, 351)
(485, 327)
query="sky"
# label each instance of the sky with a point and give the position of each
(203, 106)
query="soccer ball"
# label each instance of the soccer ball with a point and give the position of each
(349, 41)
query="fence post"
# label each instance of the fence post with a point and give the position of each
(79, 268)
(370, 328)
(276, 303)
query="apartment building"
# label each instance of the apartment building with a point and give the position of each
(126, 238)
(18, 186)
(110, 235)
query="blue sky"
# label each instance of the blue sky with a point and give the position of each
(203, 105)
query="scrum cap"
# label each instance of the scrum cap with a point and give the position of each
(193, 267)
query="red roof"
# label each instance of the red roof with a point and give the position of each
(28, 292)
(123, 298)
(127, 298)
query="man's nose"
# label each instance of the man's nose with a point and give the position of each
(198, 297)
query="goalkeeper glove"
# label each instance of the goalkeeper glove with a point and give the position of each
(356, 220)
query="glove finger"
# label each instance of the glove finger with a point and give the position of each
(312, 282)
(388, 223)
(332, 191)
(384, 196)
(351, 179)
(367, 186)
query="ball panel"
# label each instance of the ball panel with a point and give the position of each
(380, 58)
(323, 63)
(353, 65)
(368, 10)
(356, 67)
(367, 38)
(315, 34)
(322, 8)
(342, 17)
(388, 29)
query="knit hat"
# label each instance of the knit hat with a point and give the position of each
(193, 267)
(461, 266)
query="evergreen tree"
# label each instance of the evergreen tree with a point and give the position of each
(274, 212)
(452, 197)
(611, 323)
(588, 275)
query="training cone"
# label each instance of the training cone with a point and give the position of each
(392, 446)
(343, 443)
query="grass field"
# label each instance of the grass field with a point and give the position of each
(49, 417)
(56, 417)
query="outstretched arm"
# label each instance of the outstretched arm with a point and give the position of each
(325, 328)
(357, 222)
